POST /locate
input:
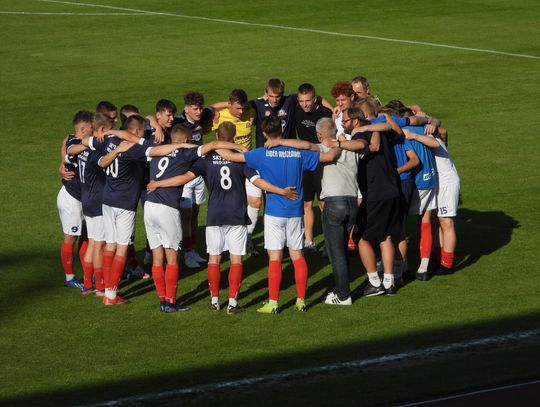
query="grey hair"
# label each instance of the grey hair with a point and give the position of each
(363, 80)
(326, 126)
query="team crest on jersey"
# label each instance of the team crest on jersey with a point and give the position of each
(248, 125)
(282, 113)
(267, 112)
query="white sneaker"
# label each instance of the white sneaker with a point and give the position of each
(333, 299)
(190, 261)
(197, 257)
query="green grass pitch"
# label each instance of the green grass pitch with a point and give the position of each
(58, 348)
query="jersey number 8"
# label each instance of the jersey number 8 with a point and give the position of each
(226, 181)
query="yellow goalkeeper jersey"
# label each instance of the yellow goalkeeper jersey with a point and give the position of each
(244, 124)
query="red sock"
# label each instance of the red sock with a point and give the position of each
(158, 275)
(300, 276)
(88, 271)
(426, 240)
(447, 259)
(235, 279)
(83, 245)
(108, 257)
(98, 273)
(213, 279)
(117, 271)
(274, 279)
(186, 243)
(171, 282)
(66, 256)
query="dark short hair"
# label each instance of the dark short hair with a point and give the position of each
(165, 105)
(134, 121)
(82, 116)
(275, 84)
(180, 129)
(354, 112)
(194, 98)
(271, 125)
(306, 88)
(238, 96)
(104, 107)
(127, 109)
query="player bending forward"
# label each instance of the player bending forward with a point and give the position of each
(227, 217)
(283, 166)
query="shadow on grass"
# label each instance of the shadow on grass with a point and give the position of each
(360, 349)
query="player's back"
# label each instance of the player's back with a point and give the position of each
(225, 180)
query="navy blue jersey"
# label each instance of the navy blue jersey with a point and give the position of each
(226, 183)
(176, 163)
(285, 112)
(150, 134)
(197, 128)
(73, 186)
(124, 175)
(92, 178)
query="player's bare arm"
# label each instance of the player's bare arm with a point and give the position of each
(124, 135)
(350, 145)
(64, 173)
(381, 127)
(409, 165)
(287, 192)
(177, 181)
(375, 142)
(294, 143)
(221, 145)
(159, 136)
(108, 158)
(231, 156)
(428, 141)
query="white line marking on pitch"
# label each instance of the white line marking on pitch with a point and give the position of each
(472, 393)
(307, 372)
(284, 27)
(32, 13)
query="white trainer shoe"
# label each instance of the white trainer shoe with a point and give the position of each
(332, 299)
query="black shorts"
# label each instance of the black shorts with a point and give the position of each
(406, 191)
(311, 184)
(381, 218)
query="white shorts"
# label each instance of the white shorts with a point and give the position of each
(70, 212)
(193, 193)
(422, 200)
(119, 225)
(95, 228)
(447, 200)
(252, 190)
(232, 238)
(281, 232)
(163, 226)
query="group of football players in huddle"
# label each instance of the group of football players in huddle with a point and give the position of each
(369, 165)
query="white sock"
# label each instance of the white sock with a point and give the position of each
(70, 277)
(374, 279)
(423, 265)
(253, 214)
(110, 293)
(215, 300)
(388, 280)
(273, 302)
(232, 302)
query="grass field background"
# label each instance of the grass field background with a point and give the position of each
(60, 348)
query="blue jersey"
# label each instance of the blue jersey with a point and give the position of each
(401, 121)
(226, 183)
(283, 167)
(425, 174)
(73, 186)
(124, 175)
(92, 178)
(176, 163)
